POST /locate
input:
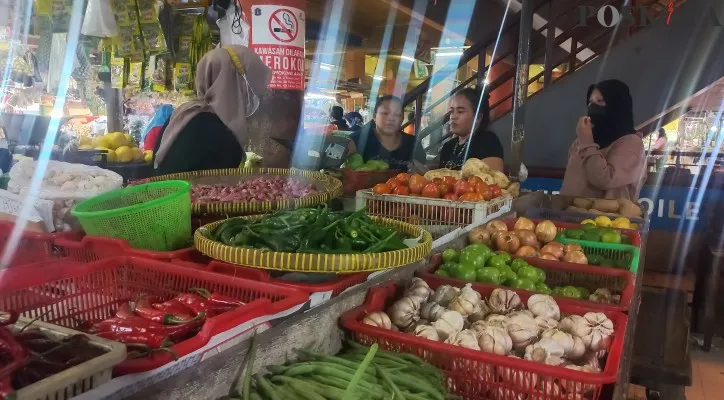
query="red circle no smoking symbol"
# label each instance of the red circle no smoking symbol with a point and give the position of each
(283, 25)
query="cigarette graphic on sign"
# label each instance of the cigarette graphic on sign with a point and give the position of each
(289, 28)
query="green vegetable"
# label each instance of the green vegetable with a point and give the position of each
(573, 233)
(489, 275)
(516, 264)
(525, 284)
(496, 261)
(450, 255)
(349, 393)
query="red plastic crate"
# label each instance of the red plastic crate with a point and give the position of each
(475, 374)
(93, 248)
(558, 273)
(336, 286)
(71, 293)
(32, 247)
(353, 181)
(635, 236)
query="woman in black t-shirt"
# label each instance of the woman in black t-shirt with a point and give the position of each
(382, 138)
(484, 144)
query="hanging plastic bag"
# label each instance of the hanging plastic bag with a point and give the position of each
(99, 20)
(233, 27)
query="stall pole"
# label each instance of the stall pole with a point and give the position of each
(277, 36)
(114, 108)
(521, 87)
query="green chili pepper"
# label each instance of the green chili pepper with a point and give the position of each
(380, 245)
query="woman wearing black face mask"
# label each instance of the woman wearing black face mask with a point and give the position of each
(607, 159)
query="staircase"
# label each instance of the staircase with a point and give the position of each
(664, 65)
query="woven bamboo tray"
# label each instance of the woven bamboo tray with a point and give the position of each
(328, 186)
(302, 262)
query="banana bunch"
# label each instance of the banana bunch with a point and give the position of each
(201, 42)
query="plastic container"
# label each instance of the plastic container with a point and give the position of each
(558, 274)
(69, 292)
(353, 181)
(93, 248)
(78, 379)
(320, 292)
(576, 217)
(475, 374)
(154, 216)
(33, 247)
(437, 216)
(634, 236)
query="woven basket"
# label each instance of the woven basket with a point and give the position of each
(303, 262)
(328, 186)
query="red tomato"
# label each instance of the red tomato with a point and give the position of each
(462, 187)
(437, 180)
(483, 189)
(403, 177)
(444, 187)
(495, 191)
(382, 188)
(475, 179)
(394, 183)
(417, 183)
(471, 196)
(431, 190)
(401, 190)
(450, 196)
(449, 180)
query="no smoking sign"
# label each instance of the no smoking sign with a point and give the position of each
(283, 25)
(277, 37)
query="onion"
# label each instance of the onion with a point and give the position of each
(524, 223)
(572, 247)
(508, 243)
(576, 257)
(548, 256)
(527, 238)
(497, 225)
(479, 235)
(526, 251)
(553, 248)
(546, 231)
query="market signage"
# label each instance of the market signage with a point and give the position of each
(670, 207)
(277, 36)
(640, 16)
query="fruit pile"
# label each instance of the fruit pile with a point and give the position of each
(592, 233)
(357, 163)
(447, 187)
(119, 147)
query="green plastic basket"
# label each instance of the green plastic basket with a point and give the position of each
(614, 252)
(155, 216)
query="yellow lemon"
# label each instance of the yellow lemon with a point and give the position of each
(137, 154)
(102, 141)
(85, 147)
(621, 223)
(634, 226)
(124, 154)
(588, 221)
(117, 140)
(85, 141)
(110, 154)
(603, 221)
(148, 156)
(129, 140)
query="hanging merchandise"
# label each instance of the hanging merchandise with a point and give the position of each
(159, 72)
(135, 75)
(98, 20)
(118, 71)
(182, 77)
(61, 15)
(201, 42)
(233, 27)
(153, 37)
(127, 20)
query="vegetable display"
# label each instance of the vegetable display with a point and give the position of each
(529, 239)
(620, 207)
(503, 324)
(154, 324)
(257, 189)
(357, 163)
(358, 372)
(449, 188)
(474, 167)
(310, 230)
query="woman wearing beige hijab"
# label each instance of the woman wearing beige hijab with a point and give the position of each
(208, 133)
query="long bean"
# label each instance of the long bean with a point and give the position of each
(267, 388)
(360, 371)
(246, 382)
(386, 379)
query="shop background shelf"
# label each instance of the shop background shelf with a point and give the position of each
(69, 292)
(498, 375)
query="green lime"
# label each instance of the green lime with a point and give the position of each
(573, 233)
(489, 275)
(517, 263)
(611, 237)
(589, 227)
(525, 284)
(507, 275)
(450, 255)
(591, 236)
(594, 259)
(507, 257)
(584, 292)
(442, 272)
(496, 261)
(542, 288)
(571, 291)
(465, 272)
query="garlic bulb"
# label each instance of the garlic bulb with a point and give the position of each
(415, 324)
(427, 332)
(513, 377)
(573, 347)
(545, 323)
(404, 312)
(551, 389)
(444, 294)
(495, 340)
(569, 323)
(591, 361)
(522, 329)
(496, 320)
(479, 326)
(503, 301)
(595, 329)
(546, 350)
(526, 313)
(379, 319)
(449, 323)
(573, 387)
(604, 296)
(431, 311)
(502, 393)
(418, 290)
(542, 305)
(465, 338)
(482, 311)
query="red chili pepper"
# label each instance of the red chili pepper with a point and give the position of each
(175, 307)
(9, 318)
(218, 299)
(145, 310)
(140, 336)
(146, 351)
(125, 311)
(193, 301)
(140, 325)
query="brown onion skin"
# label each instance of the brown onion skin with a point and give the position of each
(497, 225)
(572, 247)
(548, 256)
(526, 251)
(576, 257)
(479, 235)
(524, 223)
(553, 248)
(546, 231)
(527, 238)
(508, 243)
